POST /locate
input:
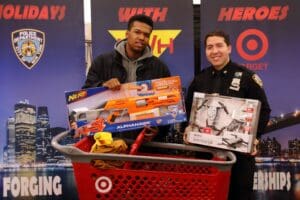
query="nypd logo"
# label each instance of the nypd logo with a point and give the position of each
(28, 45)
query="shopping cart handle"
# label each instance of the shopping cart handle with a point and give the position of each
(65, 149)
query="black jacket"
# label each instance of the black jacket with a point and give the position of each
(107, 66)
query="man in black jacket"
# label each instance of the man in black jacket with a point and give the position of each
(230, 79)
(131, 60)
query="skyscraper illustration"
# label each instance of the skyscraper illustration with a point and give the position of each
(43, 135)
(25, 132)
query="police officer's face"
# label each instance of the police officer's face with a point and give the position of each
(138, 37)
(217, 52)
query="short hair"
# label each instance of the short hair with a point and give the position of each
(141, 18)
(219, 33)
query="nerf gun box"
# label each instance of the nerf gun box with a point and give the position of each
(223, 122)
(145, 103)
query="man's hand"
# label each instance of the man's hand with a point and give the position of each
(112, 84)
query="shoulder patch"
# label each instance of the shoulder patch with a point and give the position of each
(257, 80)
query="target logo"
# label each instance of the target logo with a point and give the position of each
(103, 184)
(252, 44)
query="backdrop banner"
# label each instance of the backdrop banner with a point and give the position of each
(42, 55)
(263, 36)
(171, 39)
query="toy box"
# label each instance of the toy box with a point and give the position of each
(137, 104)
(223, 122)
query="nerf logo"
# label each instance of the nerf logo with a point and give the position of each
(156, 13)
(273, 13)
(160, 40)
(76, 96)
(32, 12)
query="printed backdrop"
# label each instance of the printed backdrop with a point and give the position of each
(42, 56)
(171, 40)
(264, 36)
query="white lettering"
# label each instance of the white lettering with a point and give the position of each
(32, 186)
(24, 188)
(57, 187)
(272, 181)
(47, 185)
(6, 185)
(15, 186)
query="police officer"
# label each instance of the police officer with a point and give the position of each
(230, 79)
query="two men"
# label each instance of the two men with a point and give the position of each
(132, 60)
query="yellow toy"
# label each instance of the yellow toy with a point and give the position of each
(104, 143)
(103, 138)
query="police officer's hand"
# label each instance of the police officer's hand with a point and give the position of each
(187, 129)
(112, 84)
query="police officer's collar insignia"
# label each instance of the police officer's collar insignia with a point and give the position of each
(217, 72)
(238, 74)
(257, 80)
(28, 45)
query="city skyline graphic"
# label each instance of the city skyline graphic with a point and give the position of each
(28, 136)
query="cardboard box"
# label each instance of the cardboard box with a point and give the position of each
(223, 122)
(151, 102)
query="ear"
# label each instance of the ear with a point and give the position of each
(126, 34)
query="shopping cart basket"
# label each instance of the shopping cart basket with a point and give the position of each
(150, 176)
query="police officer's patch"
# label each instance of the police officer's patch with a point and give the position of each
(28, 45)
(257, 80)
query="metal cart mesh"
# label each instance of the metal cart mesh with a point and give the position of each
(151, 176)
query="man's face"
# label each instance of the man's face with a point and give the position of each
(217, 52)
(138, 36)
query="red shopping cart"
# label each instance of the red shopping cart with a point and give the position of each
(150, 176)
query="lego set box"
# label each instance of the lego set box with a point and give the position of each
(145, 103)
(223, 122)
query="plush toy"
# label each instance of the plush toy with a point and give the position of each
(104, 143)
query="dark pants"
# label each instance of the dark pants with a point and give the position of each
(241, 182)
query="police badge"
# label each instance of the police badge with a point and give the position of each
(28, 45)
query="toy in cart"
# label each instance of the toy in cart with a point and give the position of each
(146, 103)
(223, 122)
(124, 174)
(104, 143)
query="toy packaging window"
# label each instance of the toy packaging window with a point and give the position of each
(224, 122)
(145, 103)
